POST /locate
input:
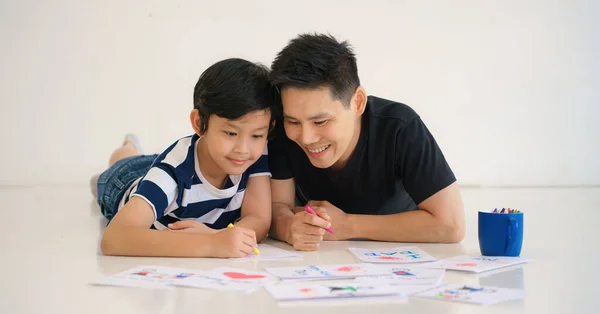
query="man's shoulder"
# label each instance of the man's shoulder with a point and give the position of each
(391, 111)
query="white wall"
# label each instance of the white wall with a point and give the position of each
(509, 88)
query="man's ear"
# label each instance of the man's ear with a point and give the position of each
(196, 121)
(359, 100)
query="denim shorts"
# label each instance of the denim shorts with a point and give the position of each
(113, 182)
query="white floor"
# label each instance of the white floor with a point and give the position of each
(50, 254)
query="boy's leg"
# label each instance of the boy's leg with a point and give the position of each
(130, 147)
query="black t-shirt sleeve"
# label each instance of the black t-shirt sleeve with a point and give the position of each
(420, 162)
(279, 162)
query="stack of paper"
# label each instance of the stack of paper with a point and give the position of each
(158, 277)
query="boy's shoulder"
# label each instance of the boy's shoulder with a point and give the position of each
(180, 154)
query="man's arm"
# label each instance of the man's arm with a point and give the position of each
(440, 218)
(282, 204)
(256, 207)
(128, 234)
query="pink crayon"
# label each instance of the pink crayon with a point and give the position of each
(311, 211)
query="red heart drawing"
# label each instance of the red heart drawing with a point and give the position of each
(467, 265)
(234, 275)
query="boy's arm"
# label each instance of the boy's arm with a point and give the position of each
(128, 234)
(256, 206)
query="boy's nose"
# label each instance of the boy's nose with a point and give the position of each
(241, 147)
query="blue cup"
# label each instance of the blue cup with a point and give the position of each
(500, 234)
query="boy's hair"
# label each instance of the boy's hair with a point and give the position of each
(232, 88)
(310, 61)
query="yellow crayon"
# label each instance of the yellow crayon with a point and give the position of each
(256, 251)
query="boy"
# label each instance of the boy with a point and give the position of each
(179, 203)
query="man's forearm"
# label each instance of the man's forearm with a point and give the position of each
(280, 221)
(259, 224)
(412, 226)
(130, 241)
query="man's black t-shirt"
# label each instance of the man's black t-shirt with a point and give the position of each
(396, 164)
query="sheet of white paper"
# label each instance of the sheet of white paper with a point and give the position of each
(397, 255)
(270, 253)
(204, 282)
(328, 271)
(311, 291)
(408, 276)
(151, 277)
(227, 278)
(476, 264)
(473, 294)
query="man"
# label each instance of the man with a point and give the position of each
(369, 167)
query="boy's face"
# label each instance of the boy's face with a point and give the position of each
(321, 125)
(234, 145)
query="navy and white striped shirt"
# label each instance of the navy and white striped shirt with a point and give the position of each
(176, 189)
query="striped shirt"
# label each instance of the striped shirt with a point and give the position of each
(176, 189)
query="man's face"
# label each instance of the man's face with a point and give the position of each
(320, 125)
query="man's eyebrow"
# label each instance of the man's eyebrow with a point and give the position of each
(317, 116)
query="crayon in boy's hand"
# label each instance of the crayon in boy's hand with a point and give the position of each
(256, 251)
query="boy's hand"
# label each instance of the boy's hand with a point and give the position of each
(234, 242)
(190, 226)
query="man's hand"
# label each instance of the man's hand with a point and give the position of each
(306, 230)
(191, 226)
(340, 221)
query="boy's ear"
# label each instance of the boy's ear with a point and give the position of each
(196, 121)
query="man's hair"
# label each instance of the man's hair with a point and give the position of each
(311, 61)
(232, 88)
